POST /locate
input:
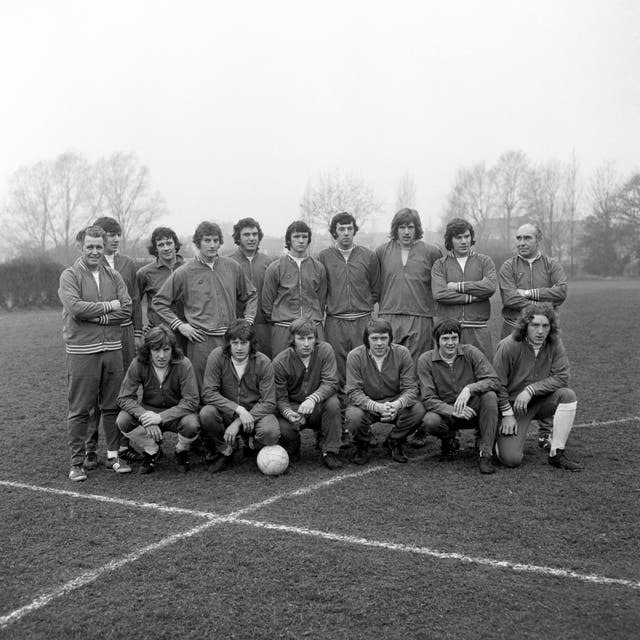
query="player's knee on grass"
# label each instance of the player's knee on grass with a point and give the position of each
(566, 396)
(189, 426)
(508, 453)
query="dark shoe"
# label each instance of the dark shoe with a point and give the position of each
(331, 461)
(396, 449)
(484, 464)
(294, 454)
(182, 461)
(90, 461)
(448, 448)
(361, 455)
(148, 464)
(560, 461)
(118, 465)
(544, 441)
(210, 456)
(130, 455)
(220, 463)
(345, 439)
(418, 439)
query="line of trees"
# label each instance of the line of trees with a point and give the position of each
(49, 201)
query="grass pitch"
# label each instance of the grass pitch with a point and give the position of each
(423, 550)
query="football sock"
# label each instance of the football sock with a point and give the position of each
(184, 444)
(112, 454)
(143, 440)
(562, 423)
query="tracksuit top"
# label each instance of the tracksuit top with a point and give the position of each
(173, 398)
(353, 286)
(441, 383)
(470, 303)
(89, 324)
(254, 270)
(366, 385)
(406, 289)
(149, 279)
(126, 267)
(209, 295)
(544, 276)
(295, 382)
(255, 391)
(518, 368)
(289, 292)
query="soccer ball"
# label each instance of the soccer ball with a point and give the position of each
(273, 460)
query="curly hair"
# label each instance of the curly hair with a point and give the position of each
(297, 226)
(162, 232)
(342, 218)
(240, 330)
(377, 325)
(457, 227)
(526, 316)
(207, 228)
(406, 216)
(156, 338)
(246, 223)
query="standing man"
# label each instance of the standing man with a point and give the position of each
(164, 246)
(458, 387)
(462, 283)
(131, 330)
(95, 303)
(382, 387)
(530, 276)
(353, 287)
(169, 400)
(239, 397)
(295, 286)
(533, 370)
(211, 288)
(306, 386)
(247, 234)
(406, 301)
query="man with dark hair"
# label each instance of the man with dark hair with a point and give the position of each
(239, 398)
(295, 286)
(458, 388)
(164, 247)
(406, 300)
(210, 287)
(131, 333)
(247, 234)
(306, 385)
(530, 276)
(533, 370)
(95, 303)
(353, 288)
(462, 283)
(169, 400)
(382, 387)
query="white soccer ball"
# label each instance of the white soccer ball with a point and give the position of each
(273, 460)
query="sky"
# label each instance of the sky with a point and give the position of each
(236, 106)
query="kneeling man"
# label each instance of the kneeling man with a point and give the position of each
(381, 387)
(306, 392)
(458, 386)
(533, 370)
(169, 399)
(239, 396)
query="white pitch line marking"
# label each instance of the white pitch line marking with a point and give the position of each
(606, 423)
(442, 555)
(91, 576)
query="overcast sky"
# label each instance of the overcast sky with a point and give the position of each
(235, 106)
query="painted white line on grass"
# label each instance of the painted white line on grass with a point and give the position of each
(308, 489)
(119, 501)
(606, 423)
(91, 576)
(442, 555)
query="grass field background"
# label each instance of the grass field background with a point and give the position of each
(423, 550)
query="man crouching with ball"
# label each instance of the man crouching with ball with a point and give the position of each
(534, 371)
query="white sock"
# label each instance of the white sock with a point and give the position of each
(184, 444)
(112, 454)
(143, 440)
(562, 424)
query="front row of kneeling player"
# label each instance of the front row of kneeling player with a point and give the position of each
(250, 401)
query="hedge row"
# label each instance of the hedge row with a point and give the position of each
(29, 282)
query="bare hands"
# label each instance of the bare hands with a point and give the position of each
(521, 402)
(191, 333)
(115, 305)
(509, 426)
(246, 419)
(461, 403)
(231, 432)
(306, 407)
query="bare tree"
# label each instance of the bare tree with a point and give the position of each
(571, 198)
(125, 194)
(333, 193)
(509, 176)
(406, 192)
(473, 196)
